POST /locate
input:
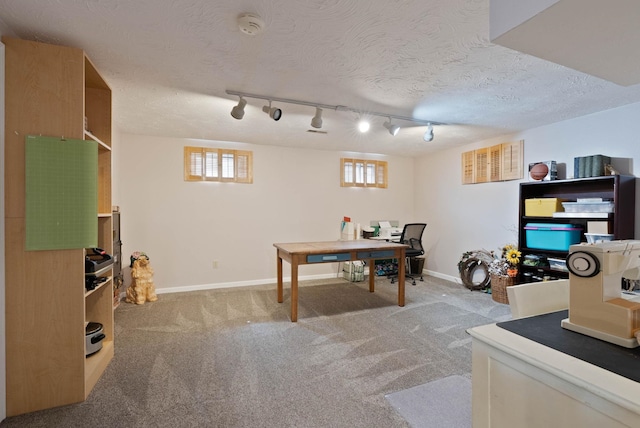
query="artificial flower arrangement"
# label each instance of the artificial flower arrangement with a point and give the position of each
(507, 264)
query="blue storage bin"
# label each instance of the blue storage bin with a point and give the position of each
(551, 236)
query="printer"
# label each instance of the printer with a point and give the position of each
(388, 231)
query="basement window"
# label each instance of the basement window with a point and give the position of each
(363, 173)
(211, 164)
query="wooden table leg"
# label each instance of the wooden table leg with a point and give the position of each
(279, 267)
(294, 291)
(401, 273)
(372, 275)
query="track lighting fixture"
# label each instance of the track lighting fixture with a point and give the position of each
(273, 112)
(428, 135)
(363, 125)
(393, 129)
(237, 112)
(316, 122)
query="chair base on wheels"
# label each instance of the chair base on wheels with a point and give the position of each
(408, 274)
(413, 280)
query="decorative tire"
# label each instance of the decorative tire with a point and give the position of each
(472, 261)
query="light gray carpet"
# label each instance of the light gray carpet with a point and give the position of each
(441, 403)
(231, 357)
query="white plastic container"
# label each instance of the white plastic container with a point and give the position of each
(558, 264)
(588, 207)
(593, 238)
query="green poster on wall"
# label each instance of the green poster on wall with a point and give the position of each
(61, 193)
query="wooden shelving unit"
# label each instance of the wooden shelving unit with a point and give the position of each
(620, 189)
(49, 91)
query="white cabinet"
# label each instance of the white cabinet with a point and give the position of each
(517, 382)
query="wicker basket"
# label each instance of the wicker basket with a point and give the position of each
(499, 286)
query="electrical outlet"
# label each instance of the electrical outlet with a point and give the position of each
(215, 264)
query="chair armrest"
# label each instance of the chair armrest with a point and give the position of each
(538, 298)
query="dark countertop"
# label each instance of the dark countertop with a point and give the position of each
(546, 330)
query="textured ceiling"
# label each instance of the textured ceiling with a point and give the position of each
(169, 63)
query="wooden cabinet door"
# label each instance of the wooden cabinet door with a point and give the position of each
(481, 165)
(512, 160)
(468, 170)
(494, 165)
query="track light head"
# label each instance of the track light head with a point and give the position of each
(316, 122)
(428, 135)
(273, 112)
(363, 125)
(393, 129)
(237, 112)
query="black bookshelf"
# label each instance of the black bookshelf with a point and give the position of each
(620, 189)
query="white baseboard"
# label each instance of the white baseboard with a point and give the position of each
(238, 284)
(234, 284)
(443, 276)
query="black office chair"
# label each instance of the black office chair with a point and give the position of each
(412, 236)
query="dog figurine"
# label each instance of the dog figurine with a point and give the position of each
(142, 288)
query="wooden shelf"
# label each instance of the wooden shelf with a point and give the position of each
(100, 271)
(543, 269)
(90, 292)
(51, 90)
(101, 145)
(96, 364)
(562, 217)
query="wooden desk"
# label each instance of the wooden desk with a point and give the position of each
(301, 253)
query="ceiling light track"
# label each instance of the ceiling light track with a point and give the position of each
(333, 107)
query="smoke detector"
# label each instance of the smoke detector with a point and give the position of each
(250, 24)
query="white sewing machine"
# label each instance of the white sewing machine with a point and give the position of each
(596, 305)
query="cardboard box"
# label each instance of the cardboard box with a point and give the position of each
(598, 227)
(542, 207)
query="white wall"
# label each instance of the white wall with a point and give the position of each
(296, 196)
(467, 217)
(504, 15)
(3, 377)
(185, 226)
